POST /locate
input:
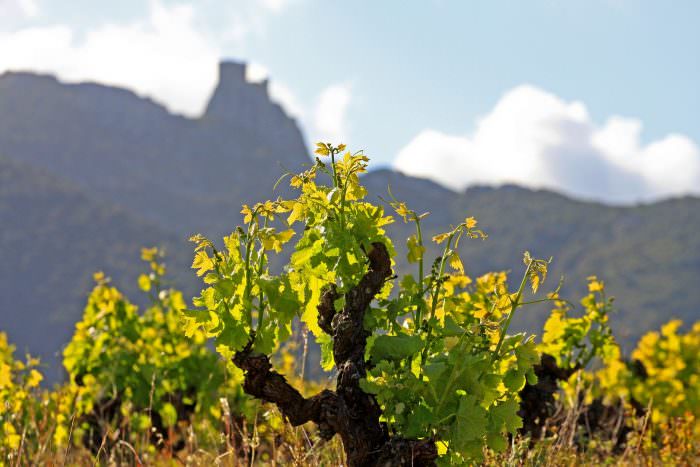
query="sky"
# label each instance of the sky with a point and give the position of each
(598, 99)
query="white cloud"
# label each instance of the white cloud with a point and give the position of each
(256, 72)
(246, 19)
(330, 113)
(18, 9)
(164, 57)
(279, 92)
(275, 6)
(29, 7)
(324, 117)
(534, 138)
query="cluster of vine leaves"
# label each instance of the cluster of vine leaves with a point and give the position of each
(140, 361)
(442, 365)
(662, 375)
(659, 381)
(19, 385)
(575, 340)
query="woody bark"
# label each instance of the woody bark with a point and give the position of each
(348, 411)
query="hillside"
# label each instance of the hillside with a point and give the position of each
(131, 151)
(648, 255)
(53, 237)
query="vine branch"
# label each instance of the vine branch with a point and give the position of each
(347, 411)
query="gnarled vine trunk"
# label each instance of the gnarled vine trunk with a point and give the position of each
(537, 401)
(538, 405)
(348, 411)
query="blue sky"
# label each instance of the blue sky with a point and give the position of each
(597, 98)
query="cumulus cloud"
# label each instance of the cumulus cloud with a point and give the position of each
(324, 117)
(18, 9)
(330, 113)
(536, 139)
(164, 56)
(246, 19)
(275, 6)
(256, 72)
(280, 92)
(293, 105)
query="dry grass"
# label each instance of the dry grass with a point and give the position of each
(266, 441)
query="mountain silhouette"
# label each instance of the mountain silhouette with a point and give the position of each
(131, 151)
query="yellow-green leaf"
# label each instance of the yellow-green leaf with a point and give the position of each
(296, 214)
(247, 213)
(149, 254)
(34, 378)
(441, 237)
(415, 250)
(456, 262)
(202, 262)
(144, 282)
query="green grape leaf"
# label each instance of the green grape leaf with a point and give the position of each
(434, 370)
(234, 335)
(470, 426)
(527, 354)
(451, 328)
(302, 256)
(326, 344)
(514, 379)
(505, 415)
(417, 420)
(531, 377)
(496, 441)
(395, 347)
(415, 250)
(225, 287)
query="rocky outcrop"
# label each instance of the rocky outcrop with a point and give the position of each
(131, 151)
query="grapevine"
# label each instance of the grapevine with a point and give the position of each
(426, 373)
(136, 372)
